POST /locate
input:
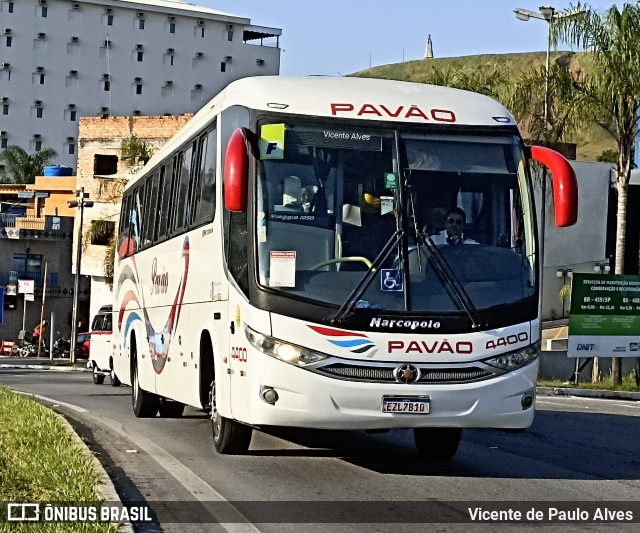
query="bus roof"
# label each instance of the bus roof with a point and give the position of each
(350, 98)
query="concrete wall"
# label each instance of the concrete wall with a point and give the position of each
(556, 365)
(582, 245)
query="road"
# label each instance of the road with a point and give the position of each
(578, 450)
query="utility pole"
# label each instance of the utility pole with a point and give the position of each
(80, 203)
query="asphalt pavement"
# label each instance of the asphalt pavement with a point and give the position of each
(64, 365)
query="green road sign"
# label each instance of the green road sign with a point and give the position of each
(605, 316)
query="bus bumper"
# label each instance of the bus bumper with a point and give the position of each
(306, 399)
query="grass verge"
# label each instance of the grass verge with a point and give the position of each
(605, 383)
(40, 461)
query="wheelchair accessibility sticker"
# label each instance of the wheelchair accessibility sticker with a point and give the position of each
(390, 280)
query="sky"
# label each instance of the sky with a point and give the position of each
(340, 37)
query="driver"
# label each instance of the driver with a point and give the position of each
(453, 233)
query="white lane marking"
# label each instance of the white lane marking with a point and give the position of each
(51, 400)
(191, 481)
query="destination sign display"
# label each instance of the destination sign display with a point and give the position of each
(605, 316)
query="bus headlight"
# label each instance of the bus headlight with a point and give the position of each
(514, 360)
(285, 351)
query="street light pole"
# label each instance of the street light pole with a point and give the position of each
(546, 13)
(80, 203)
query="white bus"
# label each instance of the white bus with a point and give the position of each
(284, 260)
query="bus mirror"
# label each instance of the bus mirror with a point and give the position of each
(565, 185)
(236, 173)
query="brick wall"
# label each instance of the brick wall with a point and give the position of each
(99, 136)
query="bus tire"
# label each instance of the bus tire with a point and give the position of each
(115, 382)
(98, 377)
(437, 443)
(229, 436)
(145, 404)
(170, 409)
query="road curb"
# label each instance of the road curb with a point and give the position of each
(52, 368)
(106, 489)
(589, 393)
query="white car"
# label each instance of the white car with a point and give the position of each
(101, 351)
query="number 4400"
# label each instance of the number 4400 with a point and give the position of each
(240, 354)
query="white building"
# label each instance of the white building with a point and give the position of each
(63, 59)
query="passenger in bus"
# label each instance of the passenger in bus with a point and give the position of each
(453, 233)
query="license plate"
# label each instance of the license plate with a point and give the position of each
(406, 405)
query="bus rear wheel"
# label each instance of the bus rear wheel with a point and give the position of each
(145, 404)
(437, 443)
(98, 377)
(229, 437)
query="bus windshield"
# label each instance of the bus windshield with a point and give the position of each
(337, 202)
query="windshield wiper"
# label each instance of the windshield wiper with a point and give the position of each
(366, 280)
(444, 272)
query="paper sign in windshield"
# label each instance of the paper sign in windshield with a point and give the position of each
(272, 141)
(386, 205)
(283, 269)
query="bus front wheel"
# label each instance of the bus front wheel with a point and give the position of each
(145, 404)
(437, 443)
(229, 437)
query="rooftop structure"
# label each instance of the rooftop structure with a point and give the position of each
(61, 60)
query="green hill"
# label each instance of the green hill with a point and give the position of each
(591, 141)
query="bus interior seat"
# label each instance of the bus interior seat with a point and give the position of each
(368, 239)
(290, 193)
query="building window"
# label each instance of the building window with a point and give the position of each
(39, 112)
(5, 109)
(105, 165)
(138, 88)
(141, 24)
(172, 27)
(230, 35)
(223, 67)
(44, 11)
(107, 85)
(38, 78)
(9, 41)
(109, 20)
(72, 149)
(10, 6)
(140, 56)
(27, 263)
(3, 142)
(38, 146)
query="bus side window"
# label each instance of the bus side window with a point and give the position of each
(161, 217)
(205, 192)
(183, 189)
(137, 218)
(165, 187)
(175, 180)
(150, 208)
(123, 232)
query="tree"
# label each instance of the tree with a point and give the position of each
(611, 93)
(23, 167)
(135, 150)
(525, 99)
(484, 81)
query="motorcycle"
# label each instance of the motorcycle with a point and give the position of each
(30, 349)
(62, 346)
